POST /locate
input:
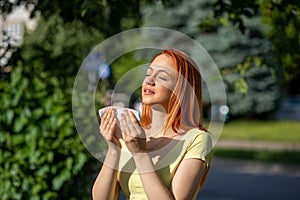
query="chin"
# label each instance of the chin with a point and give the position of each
(147, 102)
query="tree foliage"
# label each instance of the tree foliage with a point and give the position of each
(42, 156)
(235, 11)
(243, 58)
(40, 150)
(58, 46)
(284, 20)
(108, 17)
(111, 17)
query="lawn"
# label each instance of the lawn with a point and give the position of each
(255, 130)
(278, 131)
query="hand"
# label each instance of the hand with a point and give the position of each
(109, 129)
(132, 133)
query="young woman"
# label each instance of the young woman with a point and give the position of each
(169, 149)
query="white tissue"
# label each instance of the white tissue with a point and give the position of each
(119, 111)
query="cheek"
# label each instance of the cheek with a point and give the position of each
(144, 81)
(166, 92)
(169, 89)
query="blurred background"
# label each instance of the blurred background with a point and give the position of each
(255, 44)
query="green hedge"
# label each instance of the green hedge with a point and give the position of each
(41, 154)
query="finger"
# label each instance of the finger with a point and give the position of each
(134, 121)
(124, 129)
(104, 119)
(109, 133)
(111, 126)
(113, 111)
(106, 113)
(127, 121)
(109, 122)
(132, 116)
(124, 125)
(112, 117)
(129, 124)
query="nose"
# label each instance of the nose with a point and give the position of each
(150, 82)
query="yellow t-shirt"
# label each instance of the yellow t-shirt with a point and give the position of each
(194, 144)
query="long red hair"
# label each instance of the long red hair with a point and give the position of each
(185, 104)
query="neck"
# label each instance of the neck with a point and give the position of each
(159, 120)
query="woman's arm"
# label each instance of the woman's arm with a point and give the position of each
(152, 183)
(188, 177)
(106, 186)
(185, 183)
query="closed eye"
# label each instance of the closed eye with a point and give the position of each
(148, 72)
(163, 78)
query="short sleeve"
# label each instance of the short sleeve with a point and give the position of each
(200, 146)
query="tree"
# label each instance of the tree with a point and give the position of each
(282, 19)
(111, 17)
(58, 46)
(108, 17)
(241, 57)
(60, 38)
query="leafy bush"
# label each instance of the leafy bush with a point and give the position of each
(41, 155)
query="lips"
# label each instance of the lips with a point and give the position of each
(148, 91)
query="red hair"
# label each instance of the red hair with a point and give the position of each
(185, 104)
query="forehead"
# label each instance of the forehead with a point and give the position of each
(163, 61)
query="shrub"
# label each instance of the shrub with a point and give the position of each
(41, 155)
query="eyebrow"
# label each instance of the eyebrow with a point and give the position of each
(160, 70)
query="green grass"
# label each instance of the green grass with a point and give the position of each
(267, 156)
(278, 131)
(256, 130)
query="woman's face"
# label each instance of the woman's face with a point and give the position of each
(159, 81)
